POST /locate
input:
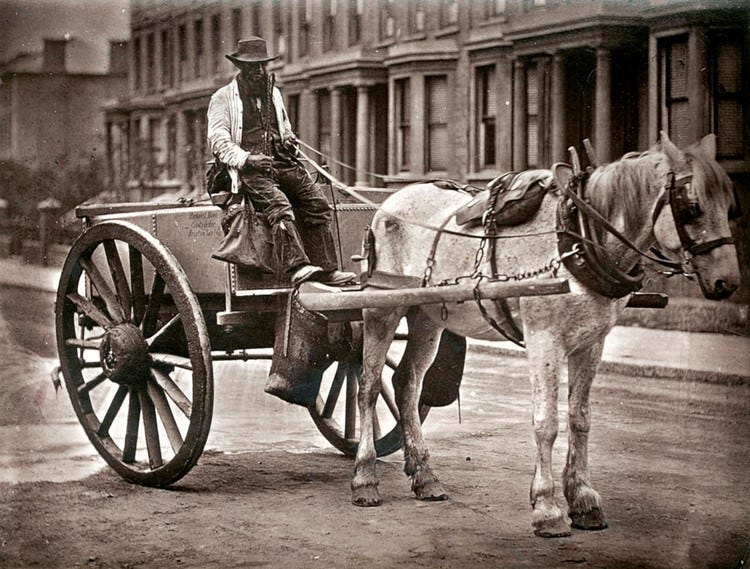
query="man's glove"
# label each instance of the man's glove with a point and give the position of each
(258, 162)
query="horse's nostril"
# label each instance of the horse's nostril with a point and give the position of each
(723, 288)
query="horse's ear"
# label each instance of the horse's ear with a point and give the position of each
(670, 149)
(562, 173)
(707, 146)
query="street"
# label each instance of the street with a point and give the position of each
(669, 458)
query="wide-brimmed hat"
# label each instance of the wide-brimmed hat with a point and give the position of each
(250, 50)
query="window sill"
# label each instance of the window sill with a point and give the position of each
(447, 31)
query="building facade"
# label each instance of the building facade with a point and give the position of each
(392, 91)
(50, 114)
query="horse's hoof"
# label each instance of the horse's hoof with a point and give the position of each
(557, 528)
(366, 496)
(431, 492)
(592, 520)
(550, 525)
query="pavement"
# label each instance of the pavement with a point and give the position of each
(630, 350)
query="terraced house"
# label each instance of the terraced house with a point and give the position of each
(391, 91)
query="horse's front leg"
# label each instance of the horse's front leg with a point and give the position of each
(379, 328)
(545, 358)
(424, 340)
(584, 503)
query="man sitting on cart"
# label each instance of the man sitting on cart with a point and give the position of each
(249, 131)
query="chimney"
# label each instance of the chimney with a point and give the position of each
(54, 55)
(118, 57)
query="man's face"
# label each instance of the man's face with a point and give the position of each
(252, 71)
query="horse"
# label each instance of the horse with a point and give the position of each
(680, 200)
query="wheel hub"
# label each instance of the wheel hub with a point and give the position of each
(124, 354)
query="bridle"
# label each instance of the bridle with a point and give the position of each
(683, 201)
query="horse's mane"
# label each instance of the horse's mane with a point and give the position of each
(623, 186)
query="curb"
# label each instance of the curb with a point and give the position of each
(653, 371)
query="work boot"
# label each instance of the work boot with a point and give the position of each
(305, 273)
(335, 277)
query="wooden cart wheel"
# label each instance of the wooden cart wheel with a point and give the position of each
(336, 414)
(135, 353)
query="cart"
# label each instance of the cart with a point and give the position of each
(143, 311)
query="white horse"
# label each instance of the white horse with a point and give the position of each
(630, 193)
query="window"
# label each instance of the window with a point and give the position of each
(216, 47)
(448, 13)
(675, 111)
(303, 16)
(172, 147)
(324, 125)
(486, 109)
(182, 71)
(329, 25)
(137, 64)
(387, 19)
(257, 14)
(167, 59)
(355, 21)
(279, 41)
(416, 16)
(532, 114)
(403, 124)
(150, 63)
(493, 8)
(236, 26)
(727, 93)
(292, 109)
(198, 65)
(437, 123)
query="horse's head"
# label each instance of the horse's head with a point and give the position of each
(701, 203)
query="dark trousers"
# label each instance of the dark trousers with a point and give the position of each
(285, 194)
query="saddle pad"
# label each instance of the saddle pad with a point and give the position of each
(516, 202)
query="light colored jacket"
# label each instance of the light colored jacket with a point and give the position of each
(225, 127)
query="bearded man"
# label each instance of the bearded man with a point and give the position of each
(250, 132)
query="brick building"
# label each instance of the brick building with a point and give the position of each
(398, 90)
(58, 66)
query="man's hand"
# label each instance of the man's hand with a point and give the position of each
(259, 162)
(289, 141)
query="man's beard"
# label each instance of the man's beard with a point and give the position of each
(253, 81)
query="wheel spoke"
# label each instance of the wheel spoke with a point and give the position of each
(154, 301)
(118, 276)
(173, 391)
(151, 430)
(387, 394)
(172, 360)
(335, 392)
(85, 344)
(97, 279)
(350, 418)
(90, 310)
(86, 387)
(167, 418)
(131, 432)
(136, 284)
(112, 411)
(161, 331)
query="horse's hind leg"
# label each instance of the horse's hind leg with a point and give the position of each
(379, 328)
(545, 358)
(584, 503)
(424, 339)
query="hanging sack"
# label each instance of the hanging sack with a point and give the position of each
(246, 242)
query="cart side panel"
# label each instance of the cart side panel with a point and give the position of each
(191, 234)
